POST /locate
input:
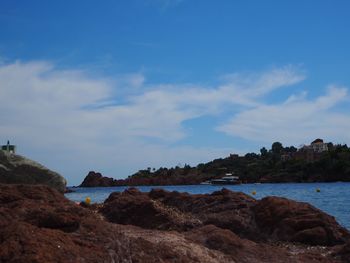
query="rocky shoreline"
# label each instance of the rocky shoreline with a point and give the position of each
(95, 179)
(38, 224)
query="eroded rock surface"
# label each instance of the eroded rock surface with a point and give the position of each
(224, 209)
(284, 219)
(270, 219)
(136, 208)
(37, 224)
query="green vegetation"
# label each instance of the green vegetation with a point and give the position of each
(279, 164)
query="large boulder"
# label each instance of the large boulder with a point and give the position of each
(283, 219)
(16, 169)
(224, 209)
(136, 208)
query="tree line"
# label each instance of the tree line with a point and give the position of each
(270, 166)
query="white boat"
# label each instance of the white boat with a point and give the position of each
(224, 180)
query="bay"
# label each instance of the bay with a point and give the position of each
(333, 198)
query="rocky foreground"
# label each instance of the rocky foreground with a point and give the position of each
(38, 224)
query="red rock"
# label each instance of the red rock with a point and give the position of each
(37, 224)
(273, 218)
(344, 252)
(97, 180)
(136, 208)
(243, 250)
(224, 209)
(287, 220)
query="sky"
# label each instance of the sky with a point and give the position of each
(118, 86)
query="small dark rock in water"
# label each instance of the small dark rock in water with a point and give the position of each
(69, 190)
(38, 224)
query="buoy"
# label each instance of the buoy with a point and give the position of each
(318, 190)
(87, 200)
(254, 193)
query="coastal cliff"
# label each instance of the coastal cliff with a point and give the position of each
(38, 224)
(16, 169)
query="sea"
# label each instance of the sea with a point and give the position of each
(332, 198)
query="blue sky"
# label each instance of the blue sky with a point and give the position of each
(116, 86)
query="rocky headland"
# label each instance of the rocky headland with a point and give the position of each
(38, 224)
(16, 169)
(94, 179)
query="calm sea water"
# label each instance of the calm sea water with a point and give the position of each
(333, 198)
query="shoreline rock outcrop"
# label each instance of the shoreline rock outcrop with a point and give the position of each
(287, 220)
(16, 169)
(38, 224)
(272, 219)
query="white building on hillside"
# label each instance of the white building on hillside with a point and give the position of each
(319, 146)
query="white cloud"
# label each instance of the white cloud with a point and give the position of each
(295, 121)
(130, 81)
(259, 84)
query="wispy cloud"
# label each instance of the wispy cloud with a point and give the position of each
(296, 120)
(258, 84)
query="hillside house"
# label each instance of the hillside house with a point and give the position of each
(319, 146)
(312, 152)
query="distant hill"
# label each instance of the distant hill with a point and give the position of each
(317, 162)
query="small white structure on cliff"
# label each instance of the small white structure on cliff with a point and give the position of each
(9, 148)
